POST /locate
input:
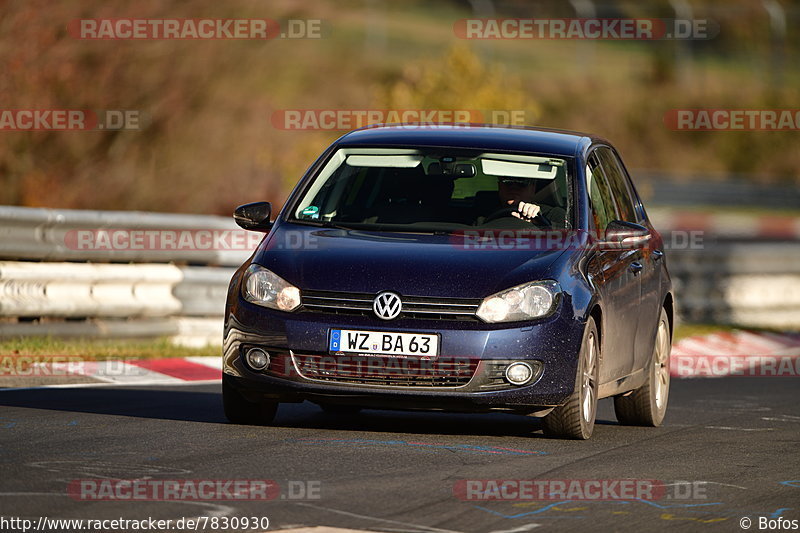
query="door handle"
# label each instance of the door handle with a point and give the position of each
(657, 254)
(635, 267)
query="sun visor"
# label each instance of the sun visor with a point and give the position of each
(384, 161)
(514, 169)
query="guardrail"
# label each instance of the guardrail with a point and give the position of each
(87, 290)
(734, 268)
(754, 284)
(154, 275)
(50, 284)
(113, 300)
(71, 235)
(730, 190)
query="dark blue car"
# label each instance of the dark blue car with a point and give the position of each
(471, 269)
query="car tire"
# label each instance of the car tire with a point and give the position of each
(647, 405)
(575, 419)
(241, 411)
(337, 409)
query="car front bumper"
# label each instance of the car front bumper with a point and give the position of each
(293, 339)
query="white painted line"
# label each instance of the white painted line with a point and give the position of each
(729, 428)
(526, 527)
(112, 372)
(376, 519)
(321, 529)
(108, 384)
(212, 361)
(782, 418)
(695, 346)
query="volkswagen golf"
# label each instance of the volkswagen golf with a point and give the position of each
(465, 269)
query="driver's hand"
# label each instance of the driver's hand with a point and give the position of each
(526, 211)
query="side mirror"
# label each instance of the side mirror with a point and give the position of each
(254, 216)
(622, 234)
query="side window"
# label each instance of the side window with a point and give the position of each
(616, 180)
(599, 195)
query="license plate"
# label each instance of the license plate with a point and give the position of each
(384, 343)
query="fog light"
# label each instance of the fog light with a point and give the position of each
(519, 373)
(257, 359)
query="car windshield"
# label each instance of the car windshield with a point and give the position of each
(436, 189)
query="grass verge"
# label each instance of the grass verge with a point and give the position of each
(102, 348)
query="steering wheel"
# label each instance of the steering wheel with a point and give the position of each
(503, 212)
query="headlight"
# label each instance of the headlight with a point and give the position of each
(523, 302)
(263, 287)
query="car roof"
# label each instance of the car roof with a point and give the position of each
(475, 136)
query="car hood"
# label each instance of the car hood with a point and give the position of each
(313, 258)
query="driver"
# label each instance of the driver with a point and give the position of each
(518, 193)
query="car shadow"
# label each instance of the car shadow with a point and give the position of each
(206, 406)
(165, 404)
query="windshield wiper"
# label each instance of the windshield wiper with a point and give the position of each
(320, 224)
(373, 227)
(422, 231)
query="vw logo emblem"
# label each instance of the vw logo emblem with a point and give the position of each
(387, 305)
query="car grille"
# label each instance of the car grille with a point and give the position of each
(413, 306)
(386, 371)
(495, 375)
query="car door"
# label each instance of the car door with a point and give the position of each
(632, 260)
(650, 257)
(610, 270)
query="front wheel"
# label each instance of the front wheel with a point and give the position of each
(575, 419)
(647, 405)
(240, 411)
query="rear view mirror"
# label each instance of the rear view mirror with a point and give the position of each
(254, 216)
(464, 170)
(626, 234)
(460, 170)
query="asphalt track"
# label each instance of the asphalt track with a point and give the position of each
(736, 440)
